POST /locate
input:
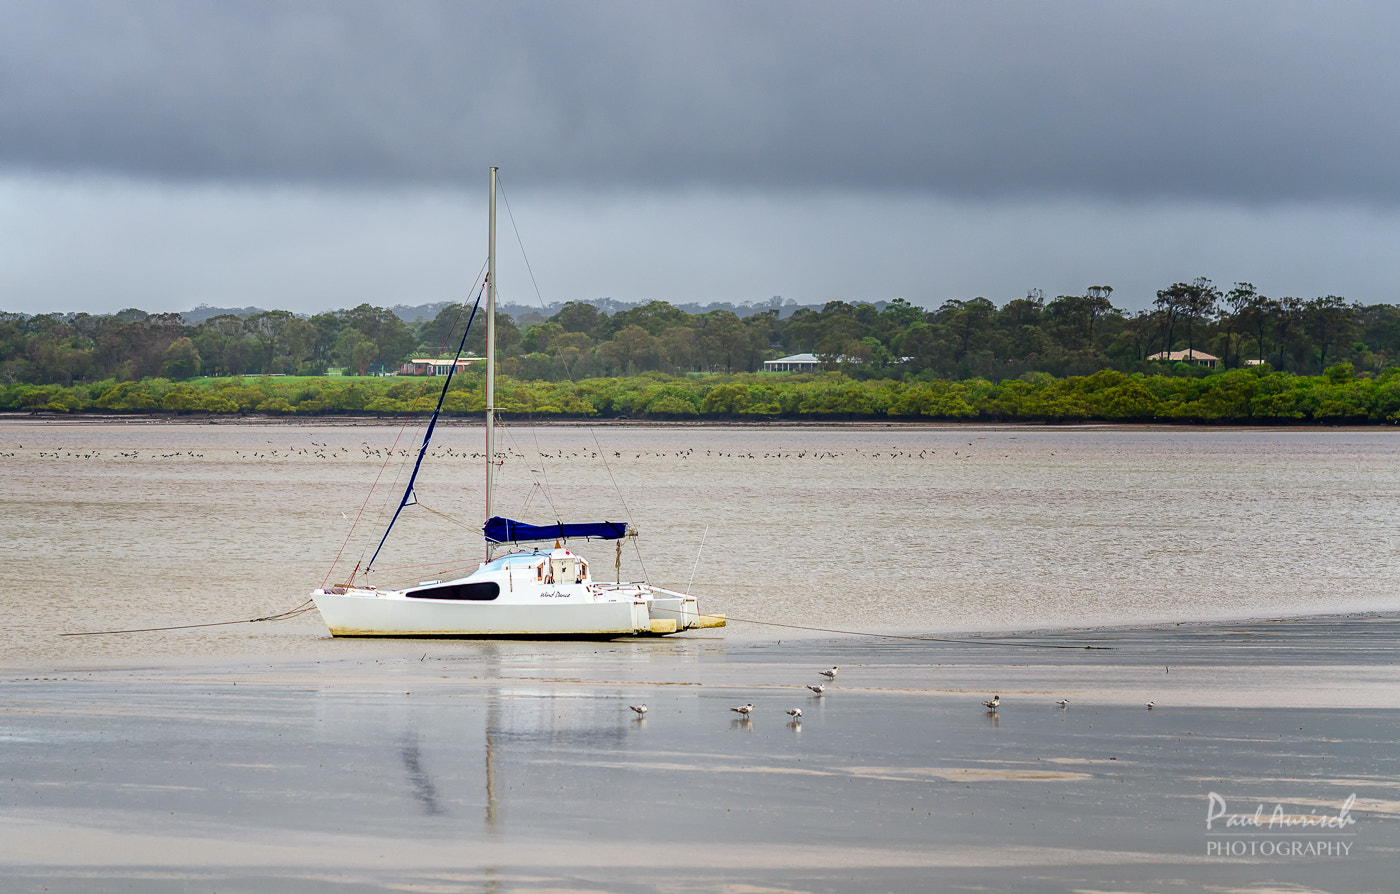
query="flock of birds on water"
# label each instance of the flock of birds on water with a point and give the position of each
(746, 710)
(61, 453)
(326, 451)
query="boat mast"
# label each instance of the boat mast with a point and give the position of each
(490, 348)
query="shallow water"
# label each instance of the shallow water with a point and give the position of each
(914, 529)
(517, 767)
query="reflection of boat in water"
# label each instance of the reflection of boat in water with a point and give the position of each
(466, 752)
(529, 593)
(424, 790)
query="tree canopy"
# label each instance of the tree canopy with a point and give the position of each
(1070, 338)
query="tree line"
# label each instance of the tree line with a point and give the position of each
(1253, 395)
(1070, 335)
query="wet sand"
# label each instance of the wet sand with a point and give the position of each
(477, 766)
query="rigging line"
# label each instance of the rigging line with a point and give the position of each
(398, 472)
(526, 258)
(529, 499)
(407, 419)
(462, 306)
(627, 510)
(691, 582)
(544, 466)
(380, 474)
(542, 486)
(392, 569)
(399, 578)
(428, 434)
(540, 298)
(445, 517)
(302, 609)
(534, 283)
(922, 639)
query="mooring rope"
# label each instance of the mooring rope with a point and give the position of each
(302, 609)
(308, 605)
(922, 639)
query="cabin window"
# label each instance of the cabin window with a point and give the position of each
(482, 591)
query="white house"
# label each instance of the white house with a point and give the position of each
(430, 366)
(1200, 358)
(794, 363)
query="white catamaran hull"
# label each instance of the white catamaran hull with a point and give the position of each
(388, 615)
(536, 593)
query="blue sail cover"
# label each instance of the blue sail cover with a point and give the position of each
(505, 530)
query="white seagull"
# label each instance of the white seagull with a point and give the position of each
(1063, 703)
(831, 674)
(994, 703)
(795, 713)
(818, 689)
(1151, 705)
(745, 710)
(640, 709)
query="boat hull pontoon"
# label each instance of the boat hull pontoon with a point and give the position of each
(514, 595)
(369, 613)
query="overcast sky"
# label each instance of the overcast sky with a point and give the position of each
(311, 156)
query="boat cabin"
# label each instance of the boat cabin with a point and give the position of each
(558, 566)
(563, 567)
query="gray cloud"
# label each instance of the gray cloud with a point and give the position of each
(1248, 102)
(104, 245)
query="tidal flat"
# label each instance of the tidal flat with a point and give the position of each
(270, 757)
(519, 767)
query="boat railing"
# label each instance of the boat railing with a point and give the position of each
(620, 585)
(672, 593)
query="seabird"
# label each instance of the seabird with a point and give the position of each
(831, 674)
(795, 713)
(744, 710)
(1063, 703)
(818, 689)
(994, 703)
(1150, 705)
(640, 709)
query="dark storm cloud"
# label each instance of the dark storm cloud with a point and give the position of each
(1253, 102)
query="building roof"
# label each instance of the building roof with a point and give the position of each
(445, 360)
(1182, 355)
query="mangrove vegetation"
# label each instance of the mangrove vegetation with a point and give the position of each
(1199, 354)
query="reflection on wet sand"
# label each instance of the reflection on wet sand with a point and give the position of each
(144, 777)
(419, 780)
(493, 724)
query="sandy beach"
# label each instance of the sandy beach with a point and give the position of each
(518, 766)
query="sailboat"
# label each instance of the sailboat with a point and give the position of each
(525, 592)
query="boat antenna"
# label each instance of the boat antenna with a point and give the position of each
(408, 496)
(490, 348)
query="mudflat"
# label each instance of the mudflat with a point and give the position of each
(519, 766)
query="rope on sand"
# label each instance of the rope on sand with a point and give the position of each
(308, 605)
(922, 639)
(302, 609)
